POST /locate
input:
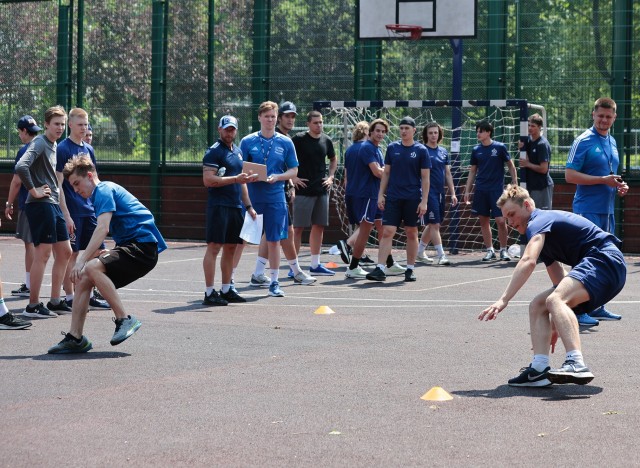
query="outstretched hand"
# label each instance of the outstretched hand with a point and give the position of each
(491, 312)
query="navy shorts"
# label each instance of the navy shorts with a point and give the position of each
(484, 203)
(224, 224)
(275, 220)
(396, 211)
(362, 209)
(435, 208)
(85, 225)
(603, 273)
(46, 222)
(128, 262)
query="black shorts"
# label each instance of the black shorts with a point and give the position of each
(398, 210)
(129, 262)
(224, 224)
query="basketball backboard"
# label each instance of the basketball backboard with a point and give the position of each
(438, 18)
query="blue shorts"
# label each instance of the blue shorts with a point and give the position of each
(603, 273)
(362, 209)
(396, 211)
(435, 208)
(606, 222)
(85, 225)
(275, 220)
(484, 203)
(224, 224)
(46, 223)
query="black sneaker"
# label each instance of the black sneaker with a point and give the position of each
(232, 296)
(96, 303)
(377, 275)
(10, 322)
(345, 253)
(366, 260)
(22, 291)
(214, 299)
(97, 294)
(38, 311)
(408, 275)
(529, 377)
(571, 372)
(60, 308)
(70, 345)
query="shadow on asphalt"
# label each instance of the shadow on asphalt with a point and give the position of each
(552, 393)
(75, 357)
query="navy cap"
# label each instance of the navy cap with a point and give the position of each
(228, 121)
(29, 123)
(408, 121)
(90, 128)
(288, 107)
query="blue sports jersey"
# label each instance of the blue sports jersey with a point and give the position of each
(407, 162)
(360, 180)
(490, 161)
(130, 220)
(439, 161)
(279, 154)
(23, 193)
(221, 156)
(593, 154)
(568, 236)
(67, 149)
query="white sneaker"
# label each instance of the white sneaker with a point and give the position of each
(357, 273)
(423, 257)
(259, 281)
(442, 260)
(395, 270)
(303, 278)
(504, 256)
(491, 255)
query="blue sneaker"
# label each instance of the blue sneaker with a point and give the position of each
(604, 314)
(587, 321)
(274, 290)
(290, 274)
(321, 270)
(124, 329)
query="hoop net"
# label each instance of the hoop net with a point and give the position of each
(404, 31)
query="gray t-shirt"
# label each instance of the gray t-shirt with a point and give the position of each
(37, 167)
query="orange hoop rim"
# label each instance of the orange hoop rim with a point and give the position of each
(415, 32)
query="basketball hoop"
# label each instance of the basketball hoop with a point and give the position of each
(406, 31)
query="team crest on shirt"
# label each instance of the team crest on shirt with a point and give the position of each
(414, 155)
(279, 150)
(494, 153)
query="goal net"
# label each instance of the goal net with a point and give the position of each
(460, 229)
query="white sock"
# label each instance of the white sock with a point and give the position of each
(27, 279)
(410, 267)
(209, 290)
(3, 307)
(315, 261)
(439, 250)
(294, 265)
(382, 267)
(261, 264)
(69, 297)
(540, 362)
(225, 288)
(422, 247)
(575, 356)
(490, 249)
(274, 275)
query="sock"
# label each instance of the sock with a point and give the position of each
(294, 266)
(410, 267)
(69, 297)
(439, 250)
(390, 261)
(381, 266)
(261, 263)
(315, 261)
(3, 307)
(27, 279)
(354, 263)
(490, 249)
(56, 300)
(540, 362)
(225, 288)
(422, 247)
(274, 275)
(575, 356)
(209, 290)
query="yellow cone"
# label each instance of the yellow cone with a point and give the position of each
(331, 265)
(436, 394)
(324, 310)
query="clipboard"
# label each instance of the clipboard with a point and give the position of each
(255, 168)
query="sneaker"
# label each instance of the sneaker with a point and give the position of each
(303, 278)
(38, 311)
(504, 256)
(214, 299)
(97, 294)
(376, 275)
(366, 260)
(274, 290)
(357, 273)
(70, 345)
(603, 314)
(259, 281)
(408, 275)
(491, 255)
(395, 270)
(124, 329)
(529, 377)
(96, 303)
(586, 320)
(345, 251)
(290, 274)
(61, 308)
(321, 270)
(442, 260)
(570, 372)
(423, 257)
(232, 296)
(10, 322)
(22, 291)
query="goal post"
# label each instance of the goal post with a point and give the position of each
(460, 230)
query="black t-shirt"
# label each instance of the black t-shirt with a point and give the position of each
(538, 151)
(312, 153)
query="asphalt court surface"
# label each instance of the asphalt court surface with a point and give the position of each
(271, 383)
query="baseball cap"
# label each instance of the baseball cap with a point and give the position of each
(288, 107)
(228, 121)
(29, 123)
(408, 121)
